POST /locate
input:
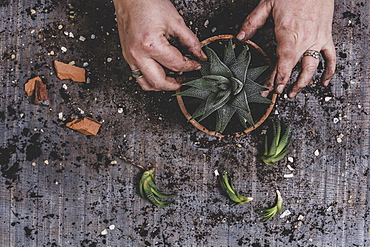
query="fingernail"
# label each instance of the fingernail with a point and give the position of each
(198, 67)
(280, 89)
(240, 35)
(203, 56)
(292, 95)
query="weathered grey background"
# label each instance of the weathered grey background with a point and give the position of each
(61, 188)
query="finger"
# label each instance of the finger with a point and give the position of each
(269, 83)
(255, 20)
(287, 59)
(170, 57)
(189, 40)
(330, 63)
(155, 77)
(309, 66)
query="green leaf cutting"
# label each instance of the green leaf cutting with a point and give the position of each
(277, 142)
(228, 187)
(150, 191)
(270, 213)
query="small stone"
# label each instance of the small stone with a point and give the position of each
(82, 38)
(33, 164)
(65, 33)
(63, 49)
(328, 98)
(85, 64)
(92, 36)
(104, 232)
(291, 159)
(72, 63)
(285, 213)
(206, 23)
(12, 56)
(51, 53)
(290, 168)
(239, 145)
(33, 11)
(81, 111)
(335, 120)
(339, 140)
(288, 175)
(60, 115)
(60, 27)
(317, 152)
(109, 59)
(64, 86)
(214, 29)
(111, 227)
(113, 162)
(300, 217)
(71, 35)
(46, 162)
(120, 110)
(216, 173)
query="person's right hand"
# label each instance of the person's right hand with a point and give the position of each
(144, 27)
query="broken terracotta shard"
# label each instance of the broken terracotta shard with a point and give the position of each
(37, 89)
(86, 126)
(67, 71)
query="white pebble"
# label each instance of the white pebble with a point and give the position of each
(82, 38)
(111, 227)
(290, 168)
(64, 86)
(46, 162)
(214, 29)
(81, 111)
(217, 173)
(328, 98)
(335, 120)
(317, 152)
(63, 49)
(109, 59)
(113, 162)
(65, 33)
(60, 115)
(120, 110)
(93, 36)
(291, 159)
(85, 64)
(339, 140)
(300, 217)
(285, 213)
(206, 23)
(288, 175)
(104, 232)
(71, 35)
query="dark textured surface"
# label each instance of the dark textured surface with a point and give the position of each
(61, 188)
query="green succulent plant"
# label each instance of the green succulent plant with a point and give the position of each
(149, 190)
(227, 87)
(228, 187)
(277, 142)
(268, 214)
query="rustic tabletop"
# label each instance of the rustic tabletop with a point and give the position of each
(62, 188)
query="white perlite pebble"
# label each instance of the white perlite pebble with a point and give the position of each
(291, 159)
(64, 86)
(63, 49)
(111, 227)
(60, 115)
(120, 110)
(285, 213)
(288, 175)
(300, 217)
(328, 98)
(217, 173)
(85, 64)
(317, 152)
(104, 232)
(93, 36)
(82, 38)
(336, 120)
(109, 59)
(206, 23)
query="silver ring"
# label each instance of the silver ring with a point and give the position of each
(137, 73)
(312, 53)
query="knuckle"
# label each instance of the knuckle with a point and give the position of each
(309, 68)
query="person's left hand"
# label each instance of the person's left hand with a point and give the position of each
(301, 28)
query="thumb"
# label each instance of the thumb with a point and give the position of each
(255, 20)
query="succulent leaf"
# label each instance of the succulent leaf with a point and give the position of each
(254, 73)
(277, 142)
(209, 82)
(237, 85)
(271, 212)
(229, 54)
(228, 187)
(224, 114)
(150, 191)
(215, 102)
(217, 67)
(195, 93)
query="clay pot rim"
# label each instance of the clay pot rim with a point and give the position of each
(259, 122)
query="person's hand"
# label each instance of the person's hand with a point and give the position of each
(300, 26)
(144, 28)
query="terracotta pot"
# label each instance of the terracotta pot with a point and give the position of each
(259, 122)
